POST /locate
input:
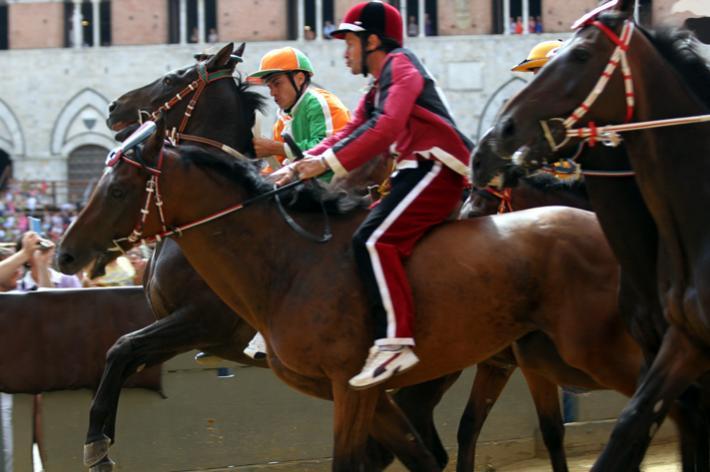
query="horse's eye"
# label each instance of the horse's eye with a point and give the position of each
(117, 193)
(581, 54)
(167, 81)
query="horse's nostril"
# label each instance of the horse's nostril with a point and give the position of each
(112, 106)
(508, 129)
(65, 259)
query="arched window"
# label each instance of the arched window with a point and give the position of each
(5, 169)
(85, 165)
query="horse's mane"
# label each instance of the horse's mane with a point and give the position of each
(254, 101)
(681, 49)
(549, 183)
(306, 198)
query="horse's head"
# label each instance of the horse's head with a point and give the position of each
(172, 93)
(114, 210)
(580, 85)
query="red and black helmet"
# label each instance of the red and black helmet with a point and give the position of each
(373, 17)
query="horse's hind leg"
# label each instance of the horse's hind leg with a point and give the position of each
(487, 385)
(418, 403)
(151, 345)
(392, 429)
(549, 416)
(679, 363)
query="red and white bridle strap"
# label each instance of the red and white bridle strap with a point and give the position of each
(152, 188)
(618, 58)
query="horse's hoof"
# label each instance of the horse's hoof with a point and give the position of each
(95, 451)
(105, 466)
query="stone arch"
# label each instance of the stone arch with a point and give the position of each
(12, 139)
(496, 101)
(81, 122)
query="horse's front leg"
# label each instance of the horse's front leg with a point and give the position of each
(353, 414)
(148, 346)
(679, 363)
(488, 383)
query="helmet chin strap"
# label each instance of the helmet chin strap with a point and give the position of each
(366, 52)
(299, 90)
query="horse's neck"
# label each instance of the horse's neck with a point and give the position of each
(252, 257)
(219, 117)
(671, 164)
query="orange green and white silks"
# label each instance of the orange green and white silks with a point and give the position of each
(317, 115)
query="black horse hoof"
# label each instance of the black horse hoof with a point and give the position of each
(95, 451)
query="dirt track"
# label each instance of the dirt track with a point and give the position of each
(661, 458)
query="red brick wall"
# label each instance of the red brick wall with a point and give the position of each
(36, 25)
(139, 22)
(558, 15)
(252, 20)
(465, 17)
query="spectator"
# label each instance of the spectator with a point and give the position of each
(40, 274)
(9, 282)
(532, 24)
(119, 272)
(139, 262)
(538, 25)
(328, 28)
(519, 25)
(212, 36)
(308, 33)
(412, 27)
(428, 25)
(195, 35)
(11, 266)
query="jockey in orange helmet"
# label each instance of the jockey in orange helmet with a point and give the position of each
(403, 111)
(308, 113)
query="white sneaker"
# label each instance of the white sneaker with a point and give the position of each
(381, 365)
(256, 349)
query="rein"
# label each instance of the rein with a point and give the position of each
(505, 197)
(196, 87)
(153, 188)
(610, 134)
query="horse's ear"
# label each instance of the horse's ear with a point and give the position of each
(240, 50)
(626, 6)
(221, 59)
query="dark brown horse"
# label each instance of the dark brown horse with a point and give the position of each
(190, 316)
(270, 278)
(670, 172)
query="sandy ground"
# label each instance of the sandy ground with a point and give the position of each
(661, 458)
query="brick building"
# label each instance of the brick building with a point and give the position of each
(66, 60)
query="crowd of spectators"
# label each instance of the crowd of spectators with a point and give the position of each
(29, 268)
(21, 200)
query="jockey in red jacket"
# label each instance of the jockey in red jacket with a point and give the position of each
(403, 112)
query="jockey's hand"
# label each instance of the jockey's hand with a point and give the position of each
(267, 147)
(310, 167)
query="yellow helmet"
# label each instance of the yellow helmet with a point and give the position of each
(538, 56)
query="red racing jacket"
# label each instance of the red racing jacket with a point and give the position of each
(403, 113)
